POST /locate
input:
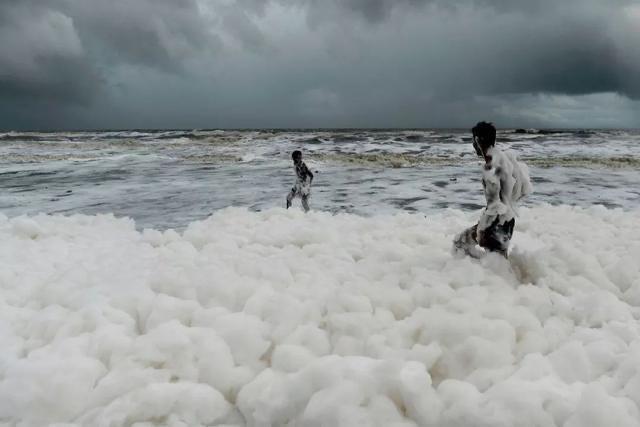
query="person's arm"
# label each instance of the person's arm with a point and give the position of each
(492, 185)
(309, 174)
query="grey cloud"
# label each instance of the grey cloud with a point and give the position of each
(42, 57)
(58, 54)
(241, 26)
(156, 33)
(379, 10)
(515, 46)
(554, 47)
(239, 63)
(564, 57)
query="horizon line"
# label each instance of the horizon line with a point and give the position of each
(307, 129)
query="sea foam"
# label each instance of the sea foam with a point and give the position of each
(280, 318)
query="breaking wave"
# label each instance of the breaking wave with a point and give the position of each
(399, 160)
(395, 160)
(585, 162)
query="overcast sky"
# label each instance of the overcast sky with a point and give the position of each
(71, 64)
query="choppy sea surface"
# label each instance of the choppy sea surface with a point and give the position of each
(166, 179)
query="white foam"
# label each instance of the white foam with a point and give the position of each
(281, 318)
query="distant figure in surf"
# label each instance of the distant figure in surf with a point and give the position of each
(302, 187)
(505, 181)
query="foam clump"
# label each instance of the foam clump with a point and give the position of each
(281, 318)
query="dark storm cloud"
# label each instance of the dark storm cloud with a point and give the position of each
(567, 58)
(514, 46)
(155, 33)
(379, 10)
(57, 49)
(199, 63)
(41, 57)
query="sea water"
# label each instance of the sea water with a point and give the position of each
(166, 179)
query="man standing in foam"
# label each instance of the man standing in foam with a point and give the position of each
(505, 181)
(302, 187)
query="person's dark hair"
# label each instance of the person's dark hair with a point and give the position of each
(484, 136)
(296, 155)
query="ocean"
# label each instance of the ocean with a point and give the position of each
(166, 179)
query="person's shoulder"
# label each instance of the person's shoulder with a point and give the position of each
(513, 158)
(509, 153)
(507, 156)
(497, 152)
(494, 157)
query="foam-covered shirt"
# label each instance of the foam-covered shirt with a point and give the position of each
(505, 181)
(302, 172)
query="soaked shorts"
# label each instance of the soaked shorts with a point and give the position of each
(497, 236)
(301, 189)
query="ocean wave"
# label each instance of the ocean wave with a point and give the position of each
(212, 158)
(281, 318)
(43, 158)
(12, 136)
(393, 160)
(576, 132)
(585, 162)
(400, 160)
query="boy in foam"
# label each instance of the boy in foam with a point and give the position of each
(302, 187)
(505, 181)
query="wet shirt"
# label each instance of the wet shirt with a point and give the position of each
(505, 181)
(302, 172)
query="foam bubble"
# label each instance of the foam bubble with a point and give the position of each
(277, 318)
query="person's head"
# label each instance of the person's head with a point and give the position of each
(296, 156)
(484, 137)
